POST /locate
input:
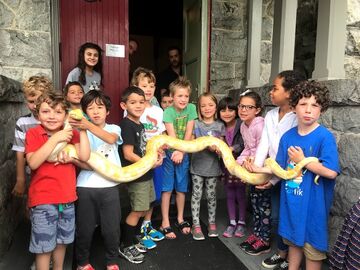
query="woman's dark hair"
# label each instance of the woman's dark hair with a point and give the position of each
(96, 96)
(81, 61)
(306, 89)
(227, 102)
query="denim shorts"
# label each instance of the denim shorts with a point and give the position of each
(51, 224)
(176, 176)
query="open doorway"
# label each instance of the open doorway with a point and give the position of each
(155, 25)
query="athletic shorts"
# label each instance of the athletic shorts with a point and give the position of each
(310, 252)
(141, 195)
(51, 224)
(176, 176)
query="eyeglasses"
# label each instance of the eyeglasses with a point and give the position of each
(246, 107)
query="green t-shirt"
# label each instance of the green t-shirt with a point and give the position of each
(180, 119)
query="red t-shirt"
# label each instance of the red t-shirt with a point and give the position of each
(50, 184)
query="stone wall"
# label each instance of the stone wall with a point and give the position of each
(342, 119)
(25, 38)
(12, 209)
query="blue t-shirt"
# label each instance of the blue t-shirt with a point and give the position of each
(304, 205)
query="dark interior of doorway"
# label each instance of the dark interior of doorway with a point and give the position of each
(156, 25)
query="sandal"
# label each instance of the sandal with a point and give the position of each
(166, 231)
(182, 225)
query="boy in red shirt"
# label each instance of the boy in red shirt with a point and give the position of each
(52, 188)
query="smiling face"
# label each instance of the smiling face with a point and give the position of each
(31, 100)
(278, 95)
(308, 112)
(147, 86)
(135, 106)
(75, 94)
(207, 108)
(247, 109)
(97, 112)
(91, 57)
(52, 119)
(181, 98)
(228, 116)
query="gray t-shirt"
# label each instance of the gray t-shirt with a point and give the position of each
(207, 163)
(92, 82)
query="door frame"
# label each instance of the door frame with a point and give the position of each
(55, 42)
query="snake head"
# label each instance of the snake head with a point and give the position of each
(76, 114)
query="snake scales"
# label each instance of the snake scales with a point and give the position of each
(126, 174)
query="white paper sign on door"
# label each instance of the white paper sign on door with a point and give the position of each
(115, 50)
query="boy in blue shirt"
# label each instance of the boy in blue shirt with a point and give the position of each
(305, 203)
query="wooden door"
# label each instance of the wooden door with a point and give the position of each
(101, 22)
(196, 45)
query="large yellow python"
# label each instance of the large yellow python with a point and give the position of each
(132, 172)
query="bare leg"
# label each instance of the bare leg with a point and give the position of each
(165, 205)
(180, 205)
(282, 253)
(148, 214)
(313, 265)
(58, 256)
(133, 218)
(295, 257)
(42, 261)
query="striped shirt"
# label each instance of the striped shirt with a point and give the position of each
(23, 124)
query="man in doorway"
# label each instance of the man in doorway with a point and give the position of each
(172, 72)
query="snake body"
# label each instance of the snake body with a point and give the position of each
(132, 172)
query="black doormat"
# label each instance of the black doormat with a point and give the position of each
(178, 254)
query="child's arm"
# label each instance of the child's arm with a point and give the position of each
(20, 186)
(99, 132)
(35, 159)
(296, 154)
(128, 152)
(83, 148)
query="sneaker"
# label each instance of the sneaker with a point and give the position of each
(249, 241)
(197, 233)
(239, 231)
(272, 261)
(282, 266)
(85, 267)
(140, 247)
(212, 232)
(257, 248)
(145, 239)
(155, 235)
(229, 232)
(131, 254)
(112, 267)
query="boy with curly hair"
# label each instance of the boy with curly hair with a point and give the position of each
(304, 201)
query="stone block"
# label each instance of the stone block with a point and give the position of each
(349, 93)
(33, 16)
(349, 154)
(346, 119)
(267, 28)
(221, 71)
(353, 7)
(230, 15)
(353, 42)
(352, 67)
(228, 46)
(25, 49)
(10, 90)
(266, 52)
(6, 16)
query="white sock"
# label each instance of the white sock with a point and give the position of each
(232, 222)
(145, 222)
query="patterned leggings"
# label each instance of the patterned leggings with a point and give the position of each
(261, 206)
(210, 187)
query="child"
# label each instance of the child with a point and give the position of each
(166, 99)
(73, 93)
(346, 253)
(250, 108)
(32, 88)
(234, 188)
(145, 80)
(305, 227)
(179, 123)
(141, 191)
(277, 122)
(205, 165)
(52, 188)
(152, 119)
(99, 201)
(88, 70)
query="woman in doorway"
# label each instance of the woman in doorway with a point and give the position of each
(88, 70)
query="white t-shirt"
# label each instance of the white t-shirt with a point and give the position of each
(92, 179)
(270, 137)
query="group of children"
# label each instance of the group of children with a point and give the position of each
(288, 133)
